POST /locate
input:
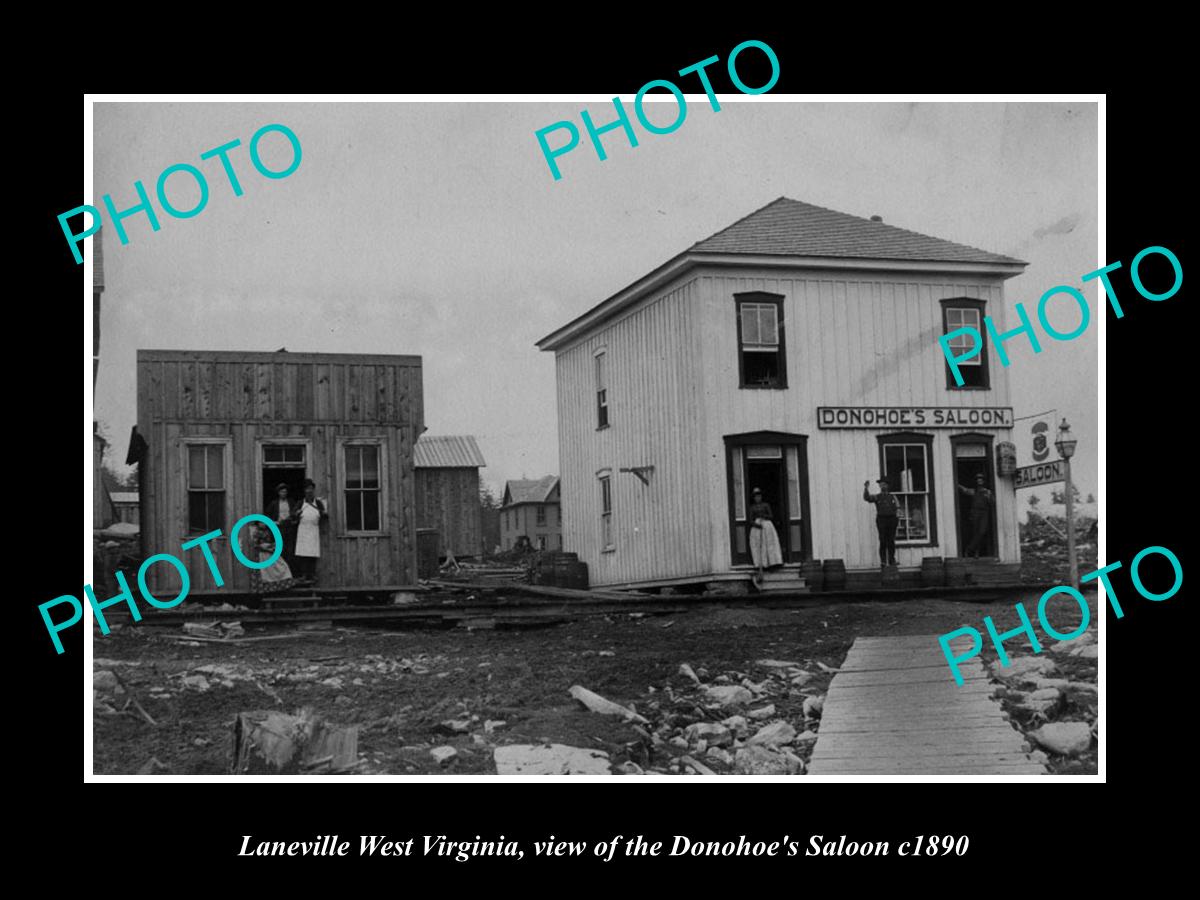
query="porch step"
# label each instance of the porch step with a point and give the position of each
(781, 581)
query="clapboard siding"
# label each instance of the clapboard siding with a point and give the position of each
(246, 398)
(656, 415)
(859, 339)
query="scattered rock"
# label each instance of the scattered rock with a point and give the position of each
(1091, 651)
(736, 724)
(1025, 668)
(443, 755)
(1038, 756)
(813, 706)
(806, 736)
(760, 761)
(550, 759)
(714, 735)
(454, 726)
(688, 672)
(720, 754)
(630, 768)
(763, 712)
(1049, 693)
(1041, 683)
(1081, 686)
(801, 678)
(342, 700)
(490, 725)
(777, 664)
(1064, 738)
(825, 668)
(199, 682)
(795, 764)
(106, 681)
(698, 767)
(729, 695)
(774, 734)
(598, 704)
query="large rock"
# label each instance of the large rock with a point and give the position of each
(813, 706)
(761, 761)
(550, 759)
(1024, 668)
(1064, 738)
(773, 735)
(443, 755)
(764, 712)
(729, 695)
(1091, 651)
(106, 681)
(712, 734)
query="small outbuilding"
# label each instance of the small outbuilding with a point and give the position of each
(447, 482)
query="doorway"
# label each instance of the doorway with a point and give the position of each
(776, 464)
(285, 464)
(972, 461)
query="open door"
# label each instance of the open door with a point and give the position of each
(777, 464)
(972, 462)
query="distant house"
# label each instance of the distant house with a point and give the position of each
(125, 507)
(447, 481)
(534, 509)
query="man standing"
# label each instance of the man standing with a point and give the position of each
(981, 514)
(885, 520)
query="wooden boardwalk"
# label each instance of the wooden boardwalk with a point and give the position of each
(893, 709)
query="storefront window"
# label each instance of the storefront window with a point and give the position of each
(908, 467)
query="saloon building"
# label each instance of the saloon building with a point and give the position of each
(794, 351)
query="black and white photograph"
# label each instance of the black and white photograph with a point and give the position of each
(474, 439)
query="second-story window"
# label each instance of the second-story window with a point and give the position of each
(601, 390)
(762, 362)
(541, 515)
(963, 312)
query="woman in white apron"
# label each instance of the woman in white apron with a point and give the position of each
(308, 532)
(764, 540)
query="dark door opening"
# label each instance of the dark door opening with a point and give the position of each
(969, 464)
(292, 476)
(768, 476)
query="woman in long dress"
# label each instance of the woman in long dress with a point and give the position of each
(765, 550)
(275, 577)
(308, 533)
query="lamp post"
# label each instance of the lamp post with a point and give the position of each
(1064, 443)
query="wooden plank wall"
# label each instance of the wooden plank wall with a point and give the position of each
(246, 398)
(448, 500)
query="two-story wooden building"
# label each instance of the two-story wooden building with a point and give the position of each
(222, 430)
(794, 351)
(532, 508)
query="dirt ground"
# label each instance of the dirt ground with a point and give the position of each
(400, 686)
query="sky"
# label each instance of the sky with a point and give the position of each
(437, 229)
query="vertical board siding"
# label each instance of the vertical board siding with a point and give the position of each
(860, 339)
(448, 500)
(246, 399)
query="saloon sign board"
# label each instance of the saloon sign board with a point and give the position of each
(914, 416)
(1042, 473)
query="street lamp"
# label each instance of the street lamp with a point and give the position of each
(1064, 443)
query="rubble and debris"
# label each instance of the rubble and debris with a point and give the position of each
(598, 704)
(443, 756)
(549, 759)
(276, 743)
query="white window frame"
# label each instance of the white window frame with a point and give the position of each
(961, 342)
(607, 544)
(902, 497)
(342, 444)
(185, 444)
(600, 375)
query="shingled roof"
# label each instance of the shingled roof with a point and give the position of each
(526, 491)
(787, 227)
(450, 451)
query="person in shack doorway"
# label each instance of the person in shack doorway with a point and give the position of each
(765, 550)
(275, 577)
(308, 518)
(981, 515)
(280, 511)
(886, 520)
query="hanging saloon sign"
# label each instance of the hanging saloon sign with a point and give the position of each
(1042, 473)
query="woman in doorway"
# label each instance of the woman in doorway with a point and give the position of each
(309, 516)
(764, 540)
(280, 511)
(275, 577)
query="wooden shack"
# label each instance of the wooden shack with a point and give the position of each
(447, 473)
(223, 429)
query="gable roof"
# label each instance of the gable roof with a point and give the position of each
(788, 232)
(447, 452)
(529, 491)
(786, 227)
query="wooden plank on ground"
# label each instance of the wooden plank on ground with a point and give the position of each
(893, 708)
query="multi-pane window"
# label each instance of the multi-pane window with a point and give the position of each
(606, 512)
(541, 514)
(906, 467)
(601, 390)
(761, 359)
(283, 454)
(363, 492)
(965, 313)
(205, 487)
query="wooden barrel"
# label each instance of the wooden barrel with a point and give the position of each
(427, 552)
(571, 573)
(933, 571)
(959, 571)
(813, 574)
(834, 572)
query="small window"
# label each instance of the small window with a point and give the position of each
(541, 515)
(283, 454)
(601, 390)
(762, 362)
(966, 313)
(205, 487)
(908, 469)
(363, 492)
(606, 540)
